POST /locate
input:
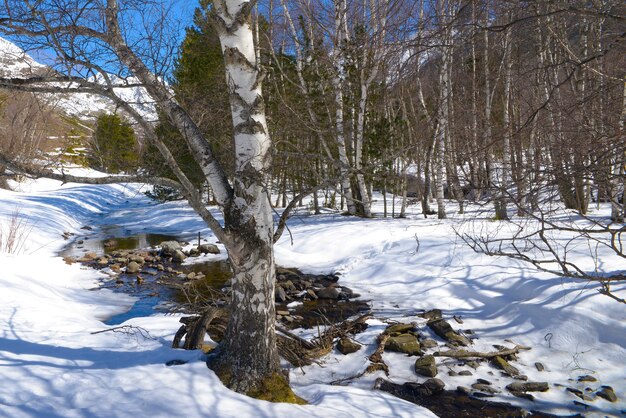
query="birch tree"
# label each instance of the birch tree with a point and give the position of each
(91, 38)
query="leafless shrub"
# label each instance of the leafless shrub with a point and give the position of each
(14, 234)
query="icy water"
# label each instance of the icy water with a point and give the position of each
(158, 291)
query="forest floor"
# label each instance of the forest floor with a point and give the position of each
(53, 365)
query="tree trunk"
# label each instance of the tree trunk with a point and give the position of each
(247, 355)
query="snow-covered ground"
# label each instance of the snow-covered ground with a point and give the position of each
(52, 365)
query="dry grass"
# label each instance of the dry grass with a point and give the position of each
(14, 234)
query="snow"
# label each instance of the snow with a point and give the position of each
(14, 62)
(53, 366)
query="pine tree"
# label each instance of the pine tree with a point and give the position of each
(199, 85)
(114, 145)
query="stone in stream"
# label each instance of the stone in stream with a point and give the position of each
(426, 366)
(328, 293)
(133, 267)
(587, 378)
(540, 367)
(178, 256)
(137, 259)
(280, 294)
(347, 346)
(168, 248)
(208, 249)
(404, 343)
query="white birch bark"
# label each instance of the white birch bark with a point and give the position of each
(248, 352)
(338, 81)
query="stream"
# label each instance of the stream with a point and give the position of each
(161, 285)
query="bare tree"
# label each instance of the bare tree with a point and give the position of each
(95, 38)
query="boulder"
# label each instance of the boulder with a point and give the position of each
(133, 267)
(426, 366)
(208, 249)
(178, 256)
(404, 343)
(168, 248)
(347, 346)
(194, 252)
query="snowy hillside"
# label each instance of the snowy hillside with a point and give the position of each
(14, 62)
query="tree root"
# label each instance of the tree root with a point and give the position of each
(296, 350)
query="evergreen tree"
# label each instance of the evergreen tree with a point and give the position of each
(114, 145)
(199, 85)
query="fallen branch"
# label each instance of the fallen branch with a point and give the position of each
(128, 330)
(478, 354)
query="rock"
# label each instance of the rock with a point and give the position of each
(133, 267)
(208, 249)
(426, 366)
(483, 382)
(109, 243)
(137, 259)
(175, 362)
(465, 373)
(191, 276)
(178, 256)
(89, 256)
(280, 294)
(404, 343)
(311, 294)
(445, 331)
(281, 312)
(452, 373)
(328, 293)
(523, 395)
(168, 248)
(434, 385)
(485, 388)
(432, 314)
(399, 328)
(473, 364)
(194, 252)
(540, 367)
(347, 346)
(288, 285)
(501, 363)
(607, 393)
(587, 378)
(464, 390)
(528, 387)
(160, 267)
(410, 391)
(103, 261)
(428, 343)
(521, 377)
